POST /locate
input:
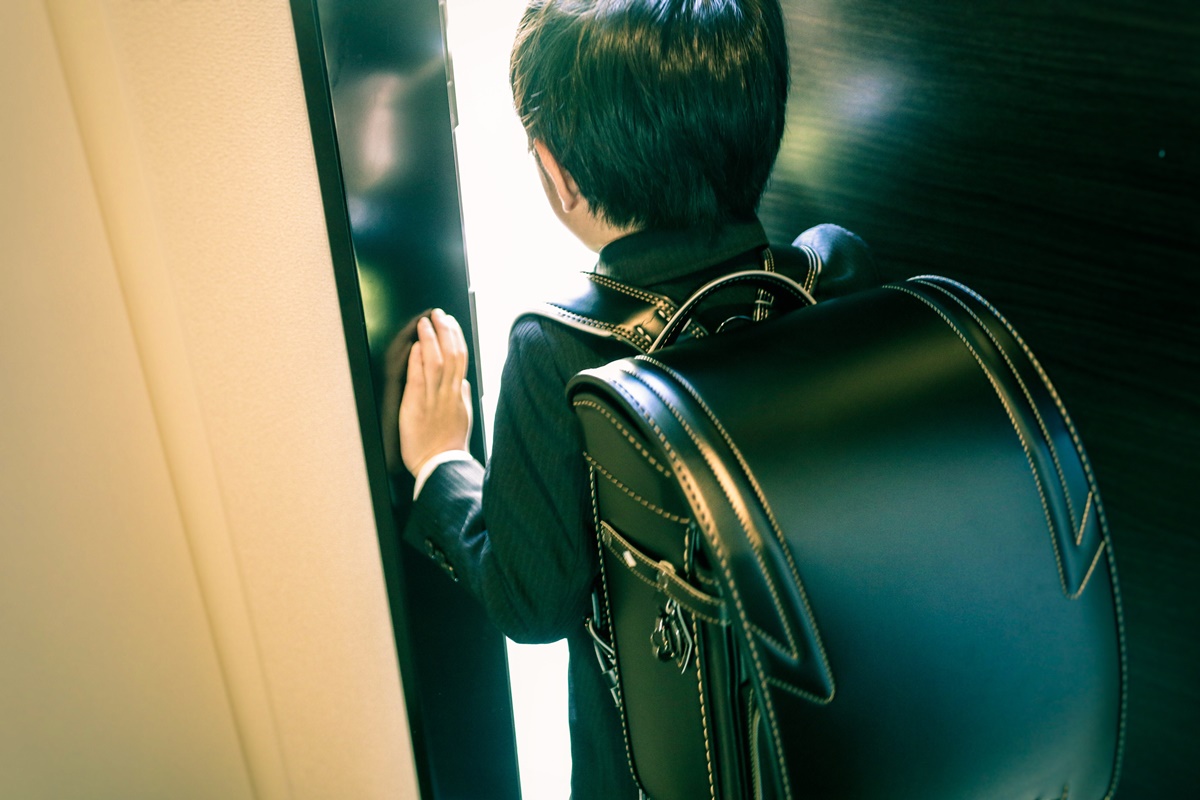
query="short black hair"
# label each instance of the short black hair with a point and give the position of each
(668, 113)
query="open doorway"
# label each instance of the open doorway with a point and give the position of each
(517, 254)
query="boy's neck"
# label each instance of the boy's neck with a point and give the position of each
(593, 229)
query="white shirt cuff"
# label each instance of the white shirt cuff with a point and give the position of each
(436, 461)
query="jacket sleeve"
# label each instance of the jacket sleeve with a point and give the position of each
(517, 535)
(848, 263)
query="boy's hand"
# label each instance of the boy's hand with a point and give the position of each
(435, 413)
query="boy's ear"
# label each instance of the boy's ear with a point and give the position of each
(564, 185)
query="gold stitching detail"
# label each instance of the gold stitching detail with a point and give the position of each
(1100, 515)
(1104, 530)
(714, 541)
(814, 267)
(1087, 508)
(712, 788)
(789, 688)
(622, 545)
(760, 308)
(717, 549)
(776, 529)
(1087, 576)
(1116, 590)
(791, 648)
(631, 552)
(1033, 406)
(658, 301)
(697, 299)
(632, 494)
(778, 645)
(1037, 480)
(608, 626)
(625, 432)
(1062, 409)
(706, 617)
(616, 330)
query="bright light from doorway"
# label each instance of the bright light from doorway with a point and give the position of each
(517, 255)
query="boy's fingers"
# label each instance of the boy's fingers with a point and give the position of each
(454, 349)
(416, 372)
(461, 353)
(431, 356)
(466, 401)
(462, 344)
(448, 330)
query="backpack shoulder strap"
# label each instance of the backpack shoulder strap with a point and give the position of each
(606, 307)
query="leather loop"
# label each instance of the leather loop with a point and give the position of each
(609, 308)
(661, 574)
(794, 296)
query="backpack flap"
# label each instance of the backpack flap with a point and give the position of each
(659, 627)
(899, 525)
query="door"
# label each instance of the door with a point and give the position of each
(380, 102)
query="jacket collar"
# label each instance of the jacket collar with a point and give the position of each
(654, 256)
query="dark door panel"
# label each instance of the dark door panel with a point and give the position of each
(380, 106)
(1045, 153)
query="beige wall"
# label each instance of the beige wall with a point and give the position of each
(191, 600)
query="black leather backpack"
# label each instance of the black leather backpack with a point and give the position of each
(854, 550)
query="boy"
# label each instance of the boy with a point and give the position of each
(654, 125)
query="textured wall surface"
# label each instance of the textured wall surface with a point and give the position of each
(191, 601)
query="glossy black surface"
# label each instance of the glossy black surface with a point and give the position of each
(1045, 153)
(376, 71)
(878, 516)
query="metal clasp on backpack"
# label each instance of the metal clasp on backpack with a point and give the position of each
(606, 656)
(671, 638)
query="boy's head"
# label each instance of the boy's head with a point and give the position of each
(666, 113)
